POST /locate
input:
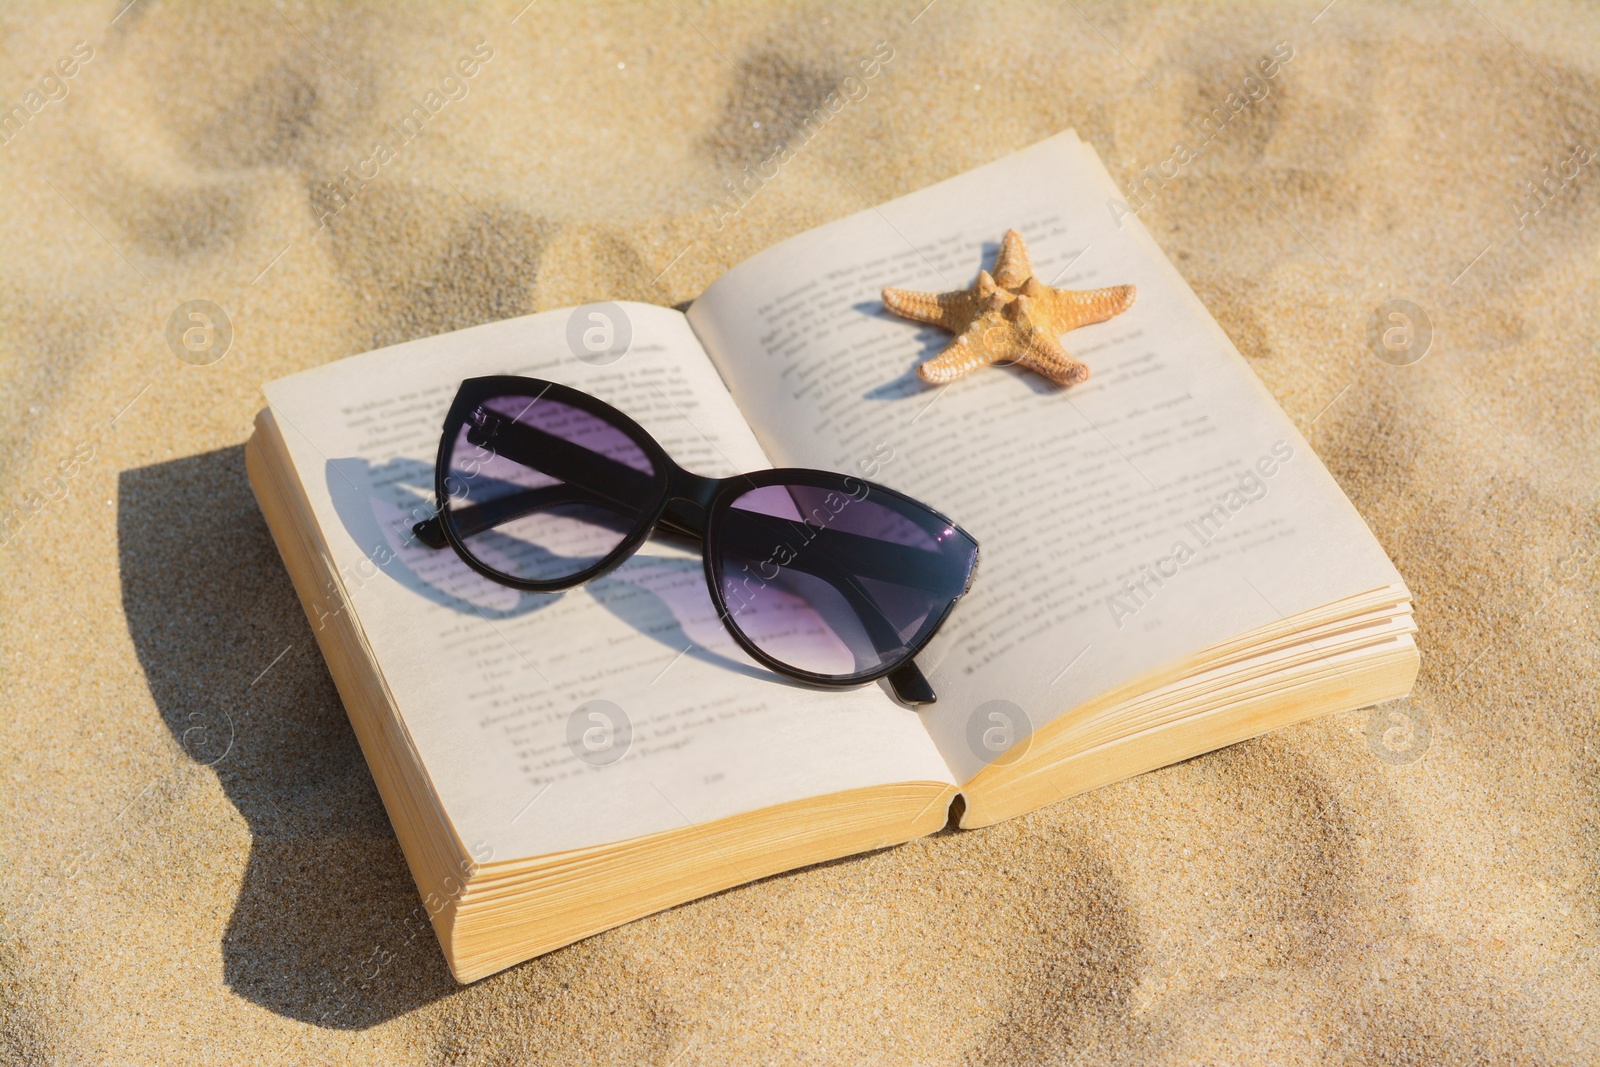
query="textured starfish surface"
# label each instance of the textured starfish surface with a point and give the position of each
(1008, 317)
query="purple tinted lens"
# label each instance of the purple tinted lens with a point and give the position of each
(541, 491)
(838, 581)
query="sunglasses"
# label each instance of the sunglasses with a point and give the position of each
(822, 577)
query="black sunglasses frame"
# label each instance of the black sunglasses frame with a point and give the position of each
(686, 504)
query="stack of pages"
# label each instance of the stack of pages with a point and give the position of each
(1165, 568)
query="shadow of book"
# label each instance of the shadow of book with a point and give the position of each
(327, 928)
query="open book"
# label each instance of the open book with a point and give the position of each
(1166, 568)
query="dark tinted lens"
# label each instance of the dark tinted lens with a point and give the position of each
(837, 581)
(541, 491)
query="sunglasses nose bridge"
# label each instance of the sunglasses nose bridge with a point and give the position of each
(689, 498)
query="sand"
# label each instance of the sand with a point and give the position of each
(196, 866)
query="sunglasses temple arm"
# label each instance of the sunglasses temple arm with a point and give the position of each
(430, 532)
(476, 518)
(911, 685)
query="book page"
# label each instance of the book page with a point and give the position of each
(1162, 506)
(620, 708)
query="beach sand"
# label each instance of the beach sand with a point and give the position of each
(196, 866)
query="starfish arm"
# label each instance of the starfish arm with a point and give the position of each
(963, 356)
(1070, 308)
(1012, 266)
(953, 311)
(1045, 355)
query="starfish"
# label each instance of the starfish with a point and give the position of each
(1008, 317)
